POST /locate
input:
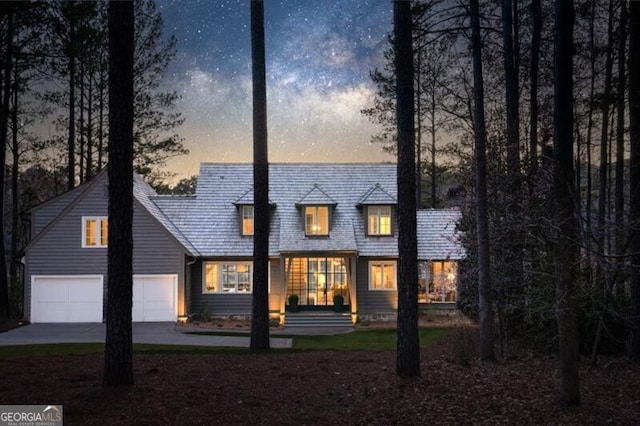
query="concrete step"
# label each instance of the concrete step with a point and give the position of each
(317, 319)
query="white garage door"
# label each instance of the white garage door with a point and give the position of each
(155, 298)
(75, 298)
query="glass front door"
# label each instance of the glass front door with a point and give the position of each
(316, 280)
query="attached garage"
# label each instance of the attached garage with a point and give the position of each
(75, 298)
(155, 298)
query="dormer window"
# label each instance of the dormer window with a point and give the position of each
(379, 220)
(247, 220)
(316, 219)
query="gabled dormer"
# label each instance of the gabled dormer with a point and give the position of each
(317, 208)
(378, 206)
(244, 204)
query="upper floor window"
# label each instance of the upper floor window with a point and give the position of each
(382, 275)
(227, 277)
(316, 219)
(379, 220)
(247, 220)
(95, 231)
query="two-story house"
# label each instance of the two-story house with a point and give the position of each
(332, 231)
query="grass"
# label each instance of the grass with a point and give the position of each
(359, 340)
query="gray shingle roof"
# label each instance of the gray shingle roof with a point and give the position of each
(438, 237)
(161, 210)
(210, 222)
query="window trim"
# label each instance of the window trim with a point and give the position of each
(394, 264)
(379, 234)
(221, 263)
(316, 208)
(99, 220)
(453, 269)
(253, 220)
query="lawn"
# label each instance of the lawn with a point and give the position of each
(187, 385)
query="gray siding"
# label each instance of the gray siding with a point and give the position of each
(43, 214)
(230, 304)
(216, 304)
(373, 302)
(59, 250)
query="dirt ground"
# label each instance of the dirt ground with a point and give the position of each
(358, 388)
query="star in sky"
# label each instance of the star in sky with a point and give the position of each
(318, 53)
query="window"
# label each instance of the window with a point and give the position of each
(382, 275)
(247, 220)
(227, 277)
(95, 232)
(316, 220)
(379, 220)
(437, 281)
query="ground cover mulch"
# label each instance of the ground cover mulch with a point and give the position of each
(326, 387)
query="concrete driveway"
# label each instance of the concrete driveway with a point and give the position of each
(163, 333)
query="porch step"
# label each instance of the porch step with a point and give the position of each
(317, 319)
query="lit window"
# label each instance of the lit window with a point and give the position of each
(379, 219)
(437, 281)
(316, 220)
(382, 275)
(95, 232)
(233, 277)
(247, 220)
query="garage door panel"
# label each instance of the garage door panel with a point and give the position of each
(67, 298)
(54, 291)
(154, 298)
(81, 293)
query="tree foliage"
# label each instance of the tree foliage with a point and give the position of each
(518, 77)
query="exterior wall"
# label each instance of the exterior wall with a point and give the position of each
(59, 251)
(223, 304)
(43, 214)
(372, 303)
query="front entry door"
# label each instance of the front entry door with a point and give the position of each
(316, 280)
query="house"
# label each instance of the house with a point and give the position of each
(332, 231)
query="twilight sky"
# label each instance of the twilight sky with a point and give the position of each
(319, 53)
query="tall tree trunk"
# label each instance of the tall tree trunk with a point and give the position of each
(82, 134)
(4, 122)
(536, 12)
(566, 247)
(260, 306)
(71, 141)
(513, 253)
(118, 365)
(14, 280)
(511, 95)
(485, 301)
(604, 145)
(89, 160)
(408, 344)
(434, 193)
(619, 183)
(418, 76)
(588, 205)
(634, 209)
(101, 121)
